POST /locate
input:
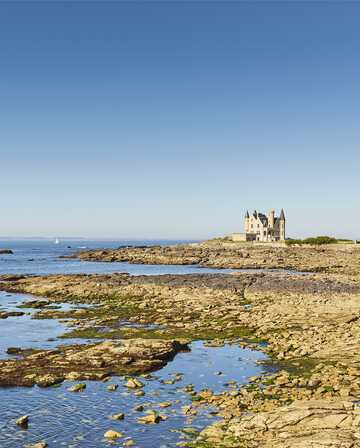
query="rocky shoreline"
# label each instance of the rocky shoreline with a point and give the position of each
(334, 258)
(309, 325)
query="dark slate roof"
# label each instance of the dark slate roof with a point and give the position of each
(263, 218)
(282, 214)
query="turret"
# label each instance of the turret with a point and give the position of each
(247, 222)
(282, 225)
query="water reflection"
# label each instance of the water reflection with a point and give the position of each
(25, 332)
(67, 419)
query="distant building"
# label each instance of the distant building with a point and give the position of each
(259, 227)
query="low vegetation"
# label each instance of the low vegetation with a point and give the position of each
(317, 241)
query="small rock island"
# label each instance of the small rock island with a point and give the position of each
(6, 252)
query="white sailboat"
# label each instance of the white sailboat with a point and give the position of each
(57, 241)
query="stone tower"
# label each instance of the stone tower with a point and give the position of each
(282, 225)
(271, 218)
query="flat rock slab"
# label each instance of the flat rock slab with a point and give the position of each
(89, 362)
(6, 314)
(303, 424)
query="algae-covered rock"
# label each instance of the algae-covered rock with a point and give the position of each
(48, 380)
(89, 362)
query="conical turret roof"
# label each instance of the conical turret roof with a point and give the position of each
(282, 215)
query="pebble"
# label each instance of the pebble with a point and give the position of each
(119, 416)
(36, 445)
(133, 383)
(151, 418)
(111, 434)
(23, 421)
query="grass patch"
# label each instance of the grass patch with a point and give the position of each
(168, 333)
(328, 389)
(269, 382)
(229, 441)
(299, 367)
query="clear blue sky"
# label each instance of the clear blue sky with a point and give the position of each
(169, 120)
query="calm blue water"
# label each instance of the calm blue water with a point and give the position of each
(79, 420)
(67, 419)
(25, 332)
(42, 257)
